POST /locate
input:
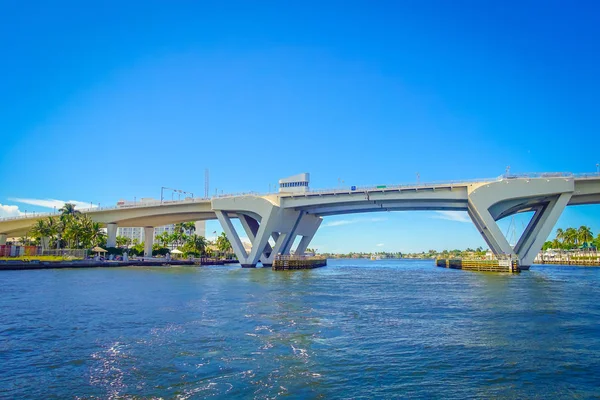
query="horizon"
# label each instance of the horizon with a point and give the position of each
(115, 102)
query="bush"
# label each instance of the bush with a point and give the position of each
(163, 251)
(135, 252)
(115, 251)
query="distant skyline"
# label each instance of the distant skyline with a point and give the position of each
(113, 100)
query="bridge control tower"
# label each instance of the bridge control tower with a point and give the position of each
(295, 184)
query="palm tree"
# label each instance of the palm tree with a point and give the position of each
(44, 230)
(97, 235)
(164, 238)
(560, 235)
(571, 237)
(69, 209)
(584, 234)
(189, 227)
(223, 243)
(123, 241)
(196, 243)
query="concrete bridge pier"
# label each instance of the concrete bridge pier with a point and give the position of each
(111, 231)
(148, 240)
(263, 219)
(491, 201)
(3, 237)
(45, 242)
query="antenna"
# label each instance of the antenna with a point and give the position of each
(206, 186)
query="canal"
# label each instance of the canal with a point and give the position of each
(354, 329)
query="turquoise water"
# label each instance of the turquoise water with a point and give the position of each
(354, 329)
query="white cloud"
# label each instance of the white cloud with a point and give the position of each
(9, 211)
(380, 244)
(352, 221)
(457, 216)
(338, 223)
(51, 203)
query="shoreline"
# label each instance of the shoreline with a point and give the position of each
(33, 265)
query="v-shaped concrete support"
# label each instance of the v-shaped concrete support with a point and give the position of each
(262, 220)
(493, 200)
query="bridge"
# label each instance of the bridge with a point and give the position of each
(273, 221)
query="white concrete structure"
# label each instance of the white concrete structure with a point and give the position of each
(273, 222)
(295, 184)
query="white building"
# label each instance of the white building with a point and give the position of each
(137, 233)
(295, 184)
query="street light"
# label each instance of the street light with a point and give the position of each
(598, 168)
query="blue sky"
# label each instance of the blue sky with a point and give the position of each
(116, 99)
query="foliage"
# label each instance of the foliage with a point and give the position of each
(223, 244)
(195, 244)
(137, 249)
(572, 238)
(123, 241)
(161, 251)
(115, 251)
(73, 229)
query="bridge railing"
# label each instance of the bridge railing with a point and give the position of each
(109, 208)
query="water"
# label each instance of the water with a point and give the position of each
(355, 329)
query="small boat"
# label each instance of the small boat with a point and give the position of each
(374, 257)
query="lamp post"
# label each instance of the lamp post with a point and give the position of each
(418, 178)
(598, 168)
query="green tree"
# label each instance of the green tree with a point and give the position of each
(560, 235)
(223, 244)
(68, 209)
(571, 238)
(195, 244)
(164, 238)
(584, 234)
(123, 241)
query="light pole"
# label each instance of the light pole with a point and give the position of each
(418, 178)
(598, 168)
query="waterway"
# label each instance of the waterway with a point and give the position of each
(354, 329)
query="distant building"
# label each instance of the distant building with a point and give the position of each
(137, 233)
(295, 184)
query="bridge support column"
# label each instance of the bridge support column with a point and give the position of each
(539, 228)
(111, 231)
(307, 229)
(148, 240)
(261, 220)
(3, 237)
(488, 202)
(45, 242)
(200, 228)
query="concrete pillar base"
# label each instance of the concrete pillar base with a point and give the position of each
(248, 265)
(3, 237)
(148, 240)
(267, 265)
(111, 235)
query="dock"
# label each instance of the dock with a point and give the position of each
(501, 265)
(284, 263)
